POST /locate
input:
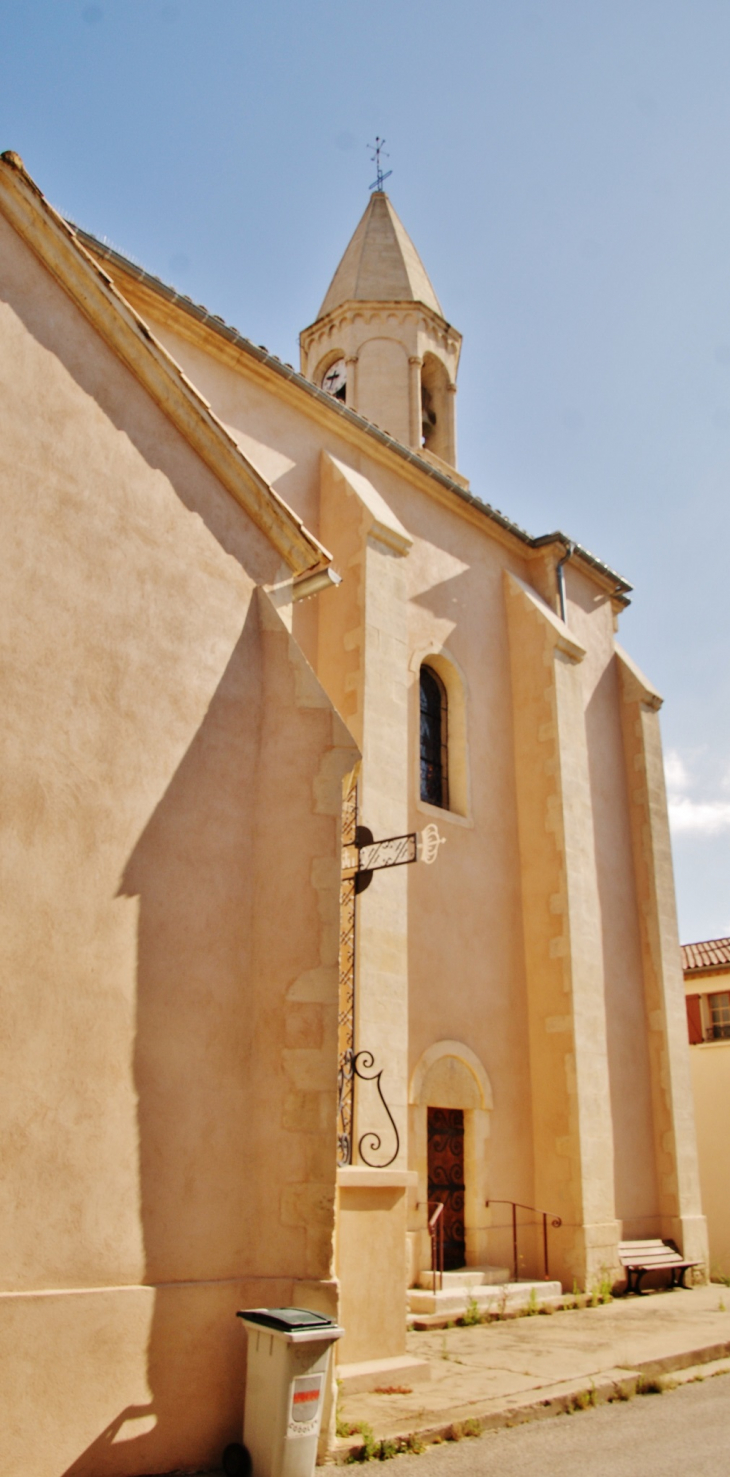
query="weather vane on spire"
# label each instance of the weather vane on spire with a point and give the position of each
(379, 150)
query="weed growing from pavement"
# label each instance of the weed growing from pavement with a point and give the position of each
(646, 1386)
(383, 1451)
(461, 1430)
(472, 1314)
(582, 1400)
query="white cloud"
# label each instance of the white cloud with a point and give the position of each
(704, 817)
(675, 772)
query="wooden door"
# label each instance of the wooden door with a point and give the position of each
(446, 1178)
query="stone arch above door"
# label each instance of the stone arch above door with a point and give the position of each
(450, 1075)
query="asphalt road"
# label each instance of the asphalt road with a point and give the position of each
(680, 1433)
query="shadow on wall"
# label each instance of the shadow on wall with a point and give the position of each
(228, 917)
(115, 394)
(193, 871)
(207, 1059)
(635, 1182)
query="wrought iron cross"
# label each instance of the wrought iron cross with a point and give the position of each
(378, 149)
(361, 856)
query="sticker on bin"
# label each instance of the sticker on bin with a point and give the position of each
(306, 1404)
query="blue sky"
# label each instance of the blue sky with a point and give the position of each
(563, 167)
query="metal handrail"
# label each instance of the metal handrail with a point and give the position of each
(555, 1220)
(436, 1233)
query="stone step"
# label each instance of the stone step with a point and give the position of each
(466, 1277)
(375, 1374)
(454, 1302)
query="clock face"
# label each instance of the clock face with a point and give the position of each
(334, 379)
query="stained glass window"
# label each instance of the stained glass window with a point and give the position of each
(434, 755)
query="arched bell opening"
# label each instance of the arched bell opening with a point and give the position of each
(437, 410)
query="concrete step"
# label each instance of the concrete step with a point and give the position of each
(454, 1301)
(381, 1374)
(465, 1277)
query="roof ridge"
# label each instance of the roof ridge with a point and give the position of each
(334, 407)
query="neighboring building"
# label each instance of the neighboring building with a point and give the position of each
(195, 720)
(707, 988)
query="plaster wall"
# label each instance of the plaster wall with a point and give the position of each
(170, 859)
(675, 1144)
(383, 386)
(710, 1068)
(471, 982)
(468, 983)
(466, 958)
(572, 1127)
(634, 1167)
(371, 1265)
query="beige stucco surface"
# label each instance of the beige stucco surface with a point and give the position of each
(710, 1071)
(471, 982)
(371, 1264)
(710, 1066)
(170, 854)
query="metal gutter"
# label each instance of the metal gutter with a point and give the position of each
(337, 408)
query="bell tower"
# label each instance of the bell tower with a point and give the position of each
(380, 341)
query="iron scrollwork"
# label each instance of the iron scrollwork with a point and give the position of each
(358, 847)
(352, 1064)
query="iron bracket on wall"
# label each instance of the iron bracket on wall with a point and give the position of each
(361, 856)
(371, 1141)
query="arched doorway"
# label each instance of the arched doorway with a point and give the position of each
(451, 1099)
(446, 1184)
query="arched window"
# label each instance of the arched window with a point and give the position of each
(434, 740)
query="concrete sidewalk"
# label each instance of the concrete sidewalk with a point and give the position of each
(520, 1369)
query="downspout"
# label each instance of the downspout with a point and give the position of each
(569, 552)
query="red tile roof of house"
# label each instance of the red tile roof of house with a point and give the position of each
(712, 954)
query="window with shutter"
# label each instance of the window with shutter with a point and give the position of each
(694, 1019)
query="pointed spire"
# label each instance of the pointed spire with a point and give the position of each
(381, 264)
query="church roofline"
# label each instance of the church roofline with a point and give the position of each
(62, 251)
(619, 587)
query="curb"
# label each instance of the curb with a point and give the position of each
(567, 1397)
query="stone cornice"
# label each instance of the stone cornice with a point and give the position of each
(403, 312)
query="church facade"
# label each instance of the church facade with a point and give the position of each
(257, 623)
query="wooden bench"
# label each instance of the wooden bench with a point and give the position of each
(640, 1257)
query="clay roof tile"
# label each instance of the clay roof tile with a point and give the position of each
(711, 954)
